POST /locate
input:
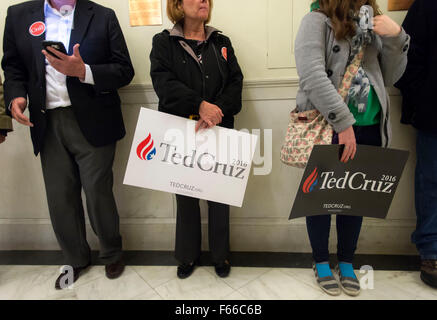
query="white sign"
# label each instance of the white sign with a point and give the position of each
(167, 155)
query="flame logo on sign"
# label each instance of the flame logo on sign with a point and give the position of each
(146, 149)
(310, 182)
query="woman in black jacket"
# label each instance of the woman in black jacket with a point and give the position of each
(196, 75)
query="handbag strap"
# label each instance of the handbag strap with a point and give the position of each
(351, 72)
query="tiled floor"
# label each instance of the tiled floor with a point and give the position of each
(151, 283)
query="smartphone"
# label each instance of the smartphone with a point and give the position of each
(55, 45)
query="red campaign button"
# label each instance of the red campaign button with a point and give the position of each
(37, 28)
(225, 53)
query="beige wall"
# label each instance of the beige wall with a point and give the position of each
(246, 22)
(147, 217)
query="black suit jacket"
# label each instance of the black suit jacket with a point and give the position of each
(102, 46)
(418, 84)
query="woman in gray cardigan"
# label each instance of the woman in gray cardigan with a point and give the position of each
(328, 39)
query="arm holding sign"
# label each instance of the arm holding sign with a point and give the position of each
(174, 95)
(210, 115)
(229, 99)
(314, 80)
(313, 77)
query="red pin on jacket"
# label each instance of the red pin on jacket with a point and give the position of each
(225, 53)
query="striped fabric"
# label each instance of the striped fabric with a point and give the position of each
(328, 284)
(350, 286)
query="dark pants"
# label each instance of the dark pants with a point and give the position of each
(425, 236)
(188, 230)
(70, 163)
(348, 227)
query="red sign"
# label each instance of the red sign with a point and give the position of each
(37, 28)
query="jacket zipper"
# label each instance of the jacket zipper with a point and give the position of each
(184, 46)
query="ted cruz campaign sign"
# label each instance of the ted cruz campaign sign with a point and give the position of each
(167, 155)
(364, 186)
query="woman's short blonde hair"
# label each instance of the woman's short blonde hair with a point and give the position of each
(176, 14)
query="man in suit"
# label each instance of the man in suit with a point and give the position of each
(419, 109)
(75, 116)
(5, 120)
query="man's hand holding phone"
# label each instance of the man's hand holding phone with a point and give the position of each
(72, 66)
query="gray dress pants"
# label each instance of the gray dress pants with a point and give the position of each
(70, 163)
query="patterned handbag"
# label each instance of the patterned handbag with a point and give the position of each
(309, 128)
(305, 130)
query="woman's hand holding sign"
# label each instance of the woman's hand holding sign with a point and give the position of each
(210, 116)
(347, 137)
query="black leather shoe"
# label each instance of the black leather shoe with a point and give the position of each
(185, 270)
(428, 272)
(76, 273)
(223, 269)
(114, 270)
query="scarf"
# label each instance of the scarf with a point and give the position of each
(358, 94)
